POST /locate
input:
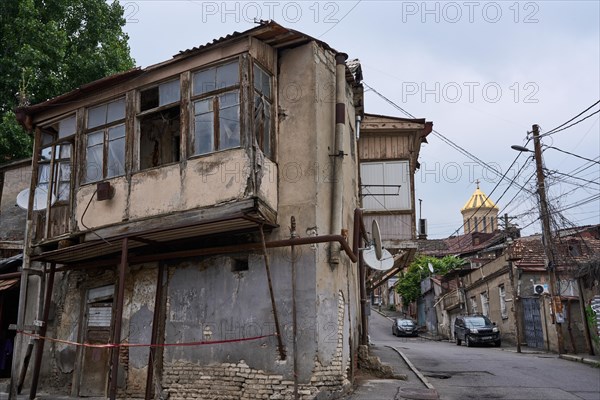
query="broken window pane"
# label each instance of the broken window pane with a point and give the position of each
(149, 99)
(262, 123)
(44, 173)
(229, 120)
(94, 159)
(46, 154)
(159, 138)
(204, 127)
(266, 148)
(64, 179)
(262, 81)
(116, 151)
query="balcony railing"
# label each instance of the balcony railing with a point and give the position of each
(452, 300)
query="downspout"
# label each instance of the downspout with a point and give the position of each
(338, 154)
(358, 121)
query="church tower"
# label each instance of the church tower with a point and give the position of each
(480, 214)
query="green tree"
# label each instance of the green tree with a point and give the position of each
(409, 284)
(48, 47)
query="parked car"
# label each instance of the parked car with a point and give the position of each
(404, 327)
(476, 329)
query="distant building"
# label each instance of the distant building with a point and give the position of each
(480, 214)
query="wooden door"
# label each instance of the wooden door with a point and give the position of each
(95, 361)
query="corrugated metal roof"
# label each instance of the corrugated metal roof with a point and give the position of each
(155, 238)
(103, 83)
(269, 32)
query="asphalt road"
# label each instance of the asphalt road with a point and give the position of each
(461, 373)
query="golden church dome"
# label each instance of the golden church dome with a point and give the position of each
(478, 200)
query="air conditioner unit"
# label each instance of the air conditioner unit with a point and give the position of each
(540, 288)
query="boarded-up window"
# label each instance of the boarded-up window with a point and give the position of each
(386, 185)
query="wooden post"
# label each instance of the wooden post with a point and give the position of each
(39, 351)
(117, 327)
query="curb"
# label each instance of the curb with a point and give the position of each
(413, 368)
(584, 360)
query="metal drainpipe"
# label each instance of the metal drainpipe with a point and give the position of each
(358, 121)
(338, 154)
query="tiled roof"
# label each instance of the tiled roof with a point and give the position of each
(460, 245)
(570, 251)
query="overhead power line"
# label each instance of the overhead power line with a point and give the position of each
(446, 140)
(557, 129)
(576, 177)
(573, 154)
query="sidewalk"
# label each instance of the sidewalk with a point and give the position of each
(414, 386)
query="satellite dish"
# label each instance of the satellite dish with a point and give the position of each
(40, 199)
(386, 262)
(377, 240)
(430, 267)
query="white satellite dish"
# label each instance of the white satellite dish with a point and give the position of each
(430, 267)
(376, 239)
(386, 262)
(40, 199)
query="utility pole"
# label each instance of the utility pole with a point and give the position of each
(547, 237)
(515, 296)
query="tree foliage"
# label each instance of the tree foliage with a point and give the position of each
(49, 47)
(409, 284)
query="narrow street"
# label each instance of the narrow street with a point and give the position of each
(459, 372)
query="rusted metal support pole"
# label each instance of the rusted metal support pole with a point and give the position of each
(39, 351)
(273, 304)
(114, 372)
(11, 275)
(293, 235)
(364, 339)
(154, 339)
(23, 372)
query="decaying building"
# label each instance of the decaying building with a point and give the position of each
(389, 150)
(168, 223)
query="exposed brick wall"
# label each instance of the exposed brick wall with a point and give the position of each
(237, 381)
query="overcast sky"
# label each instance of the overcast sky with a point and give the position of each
(483, 72)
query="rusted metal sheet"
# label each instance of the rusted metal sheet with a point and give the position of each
(100, 248)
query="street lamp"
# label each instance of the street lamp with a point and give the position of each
(546, 233)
